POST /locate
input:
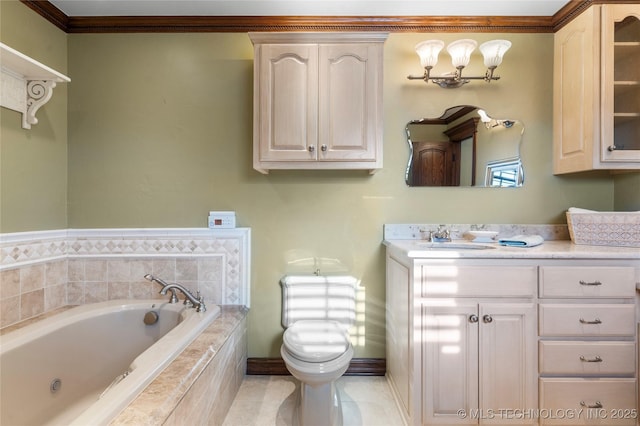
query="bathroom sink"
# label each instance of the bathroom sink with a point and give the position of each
(453, 246)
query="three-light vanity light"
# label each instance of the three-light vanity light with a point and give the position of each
(460, 52)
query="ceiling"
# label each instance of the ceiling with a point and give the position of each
(85, 8)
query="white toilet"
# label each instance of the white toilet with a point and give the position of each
(317, 312)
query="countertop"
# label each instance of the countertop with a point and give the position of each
(555, 249)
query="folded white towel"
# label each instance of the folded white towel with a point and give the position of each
(522, 241)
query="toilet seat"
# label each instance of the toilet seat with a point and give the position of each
(316, 340)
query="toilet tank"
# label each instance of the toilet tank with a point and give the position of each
(319, 297)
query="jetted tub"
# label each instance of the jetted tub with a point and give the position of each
(86, 364)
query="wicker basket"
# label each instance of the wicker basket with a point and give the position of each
(605, 229)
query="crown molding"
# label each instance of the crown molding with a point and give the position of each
(181, 24)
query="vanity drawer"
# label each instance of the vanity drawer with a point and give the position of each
(587, 320)
(587, 358)
(615, 399)
(483, 281)
(569, 281)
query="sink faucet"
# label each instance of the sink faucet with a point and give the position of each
(196, 301)
(164, 284)
(441, 235)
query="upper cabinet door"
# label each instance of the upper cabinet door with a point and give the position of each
(317, 101)
(349, 102)
(576, 77)
(288, 92)
(596, 94)
(620, 83)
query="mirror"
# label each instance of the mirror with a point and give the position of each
(465, 146)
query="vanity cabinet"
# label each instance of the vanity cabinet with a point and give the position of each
(461, 340)
(596, 105)
(317, 101)
(587, 348)
(503, 338)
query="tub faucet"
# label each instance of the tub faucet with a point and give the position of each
(164, 284)
(198, 301)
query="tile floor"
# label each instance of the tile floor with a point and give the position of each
(268, 401)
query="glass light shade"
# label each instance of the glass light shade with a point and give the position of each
(493, 51)
(428, 51)
(460, 51)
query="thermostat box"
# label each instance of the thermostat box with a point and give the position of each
(222, 219)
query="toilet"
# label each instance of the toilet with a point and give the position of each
(317, 312)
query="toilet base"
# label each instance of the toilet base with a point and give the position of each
(318, 405)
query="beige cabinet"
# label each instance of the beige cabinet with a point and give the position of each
(587, 347)
(317, 101)
(596, 105)
(461, 340)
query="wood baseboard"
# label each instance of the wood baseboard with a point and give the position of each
(357, 367)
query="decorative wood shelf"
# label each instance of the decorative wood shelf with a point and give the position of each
(26, 84)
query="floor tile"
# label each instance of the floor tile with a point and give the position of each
(269, 401)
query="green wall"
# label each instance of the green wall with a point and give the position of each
(627, 192)
(33, 163)
(160, 132)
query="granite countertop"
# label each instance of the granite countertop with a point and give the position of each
(555, 249)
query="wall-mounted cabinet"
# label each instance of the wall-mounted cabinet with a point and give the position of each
(26, 84)
(317, 101)
(596, 108)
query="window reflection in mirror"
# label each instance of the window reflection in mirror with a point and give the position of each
(465, 146)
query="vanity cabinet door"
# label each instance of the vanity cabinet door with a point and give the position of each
(508, 360)
(450, 363)
(479, 358)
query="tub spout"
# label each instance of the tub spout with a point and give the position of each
(164, 284)
(198, 301)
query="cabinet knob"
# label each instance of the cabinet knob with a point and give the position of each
(323, 148)
(487, 319)
(611, 148)
(312, 148)
(473, 318)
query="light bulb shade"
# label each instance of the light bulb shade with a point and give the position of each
(460, 51)
(428, 51)
(493, 51)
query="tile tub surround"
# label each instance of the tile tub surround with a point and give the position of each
(41, 271)
(199, 386)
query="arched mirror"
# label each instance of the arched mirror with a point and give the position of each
(465, 146)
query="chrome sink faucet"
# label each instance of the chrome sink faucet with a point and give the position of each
(196, 301)
(164, 284)
(441, 235)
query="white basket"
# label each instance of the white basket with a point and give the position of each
(605, 229)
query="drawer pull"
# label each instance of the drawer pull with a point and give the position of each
(590, 283)
(598, 404)
(473, 318)
(487, 319)
(596, 359)
(595, 321)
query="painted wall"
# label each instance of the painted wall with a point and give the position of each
(627, 192)
(33, 163)
(160, 132)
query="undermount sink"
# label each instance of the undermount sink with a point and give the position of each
(453, 246)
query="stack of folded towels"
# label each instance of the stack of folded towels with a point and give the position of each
(522, 241)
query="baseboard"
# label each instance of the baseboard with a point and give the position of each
(357, 367)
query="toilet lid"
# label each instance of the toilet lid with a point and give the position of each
(316, 341)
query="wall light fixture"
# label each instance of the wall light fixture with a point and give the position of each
(460, 52)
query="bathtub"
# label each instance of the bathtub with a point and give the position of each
(86, 364)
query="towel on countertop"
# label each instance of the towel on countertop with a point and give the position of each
(522, 241)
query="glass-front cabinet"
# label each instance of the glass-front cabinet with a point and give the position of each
(596, 106)
(621, 83)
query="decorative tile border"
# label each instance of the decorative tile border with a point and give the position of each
(28, 248)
